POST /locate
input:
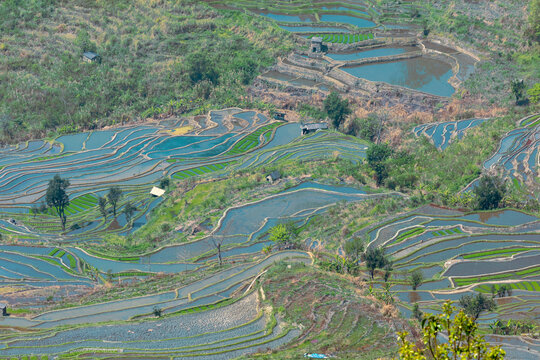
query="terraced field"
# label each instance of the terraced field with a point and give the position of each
(135, 158)
(518, 155)
(199, 313)
(443, 134)
(462, 253)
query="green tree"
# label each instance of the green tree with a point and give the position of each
(157, 311)
(102, 203)
(417, 313)
(474, 305)
(416, 279)
(279, 234)
(336, 108)
(129, 209)
(368, 128)
(463, 342)
(489, 192)
(201, 68)
(114, 196)
(164, 183)
(388, 268)
(518, 88)
(375, 259)
(534, 93)
(376, 158)
(57, 197)
(84, 42)
(354, 248)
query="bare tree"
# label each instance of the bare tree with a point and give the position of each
(217, 241)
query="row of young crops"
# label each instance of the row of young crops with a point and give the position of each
(344, 38)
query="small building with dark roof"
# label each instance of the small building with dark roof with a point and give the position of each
(307, 128)
(316, 44)
(279, 116)
(273, 176)
(3, 309)
(91, 57)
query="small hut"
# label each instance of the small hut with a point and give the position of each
(273, 176)
(3, 309)
(91, 57)
(157, 192)
(307, 128)
(279, 116)
(316, 45)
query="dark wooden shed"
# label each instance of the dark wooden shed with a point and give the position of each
(307, 128)
(91, 57)
(273, 176)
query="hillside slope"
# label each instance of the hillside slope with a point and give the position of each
(158, 56)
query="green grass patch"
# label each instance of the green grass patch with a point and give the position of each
(409, 233)
(110, 257)
(508, 275)
(201, 170)
(491, 253)
(72, 261)
(343, 38)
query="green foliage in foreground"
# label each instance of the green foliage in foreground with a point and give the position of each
(176, 57)
(464, 342)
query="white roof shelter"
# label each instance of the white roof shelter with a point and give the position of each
(157, 191)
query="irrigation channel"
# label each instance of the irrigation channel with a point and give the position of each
(365, 50)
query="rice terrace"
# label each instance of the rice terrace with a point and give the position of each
(259, 179)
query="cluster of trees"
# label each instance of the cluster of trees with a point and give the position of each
(336, 108)
(58, 199)
(513, 327)
(501, 290)
(489, 192)
(474, 305)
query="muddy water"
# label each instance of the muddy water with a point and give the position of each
(424, 74)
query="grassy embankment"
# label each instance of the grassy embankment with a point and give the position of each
(335, 317)
(158, 57)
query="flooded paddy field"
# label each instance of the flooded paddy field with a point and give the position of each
(437, 72)
(444, 133)
(136, 158)
(459, 253)
(423, 74)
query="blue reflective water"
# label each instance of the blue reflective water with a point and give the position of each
(286, 18)
(424, 74)
(314, 29)
(347, 19)
(368, 53)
